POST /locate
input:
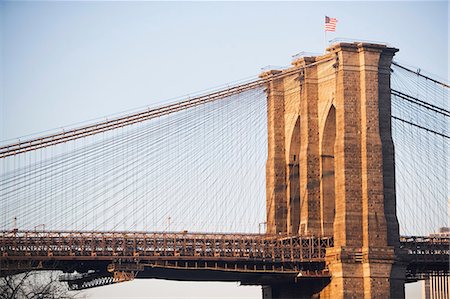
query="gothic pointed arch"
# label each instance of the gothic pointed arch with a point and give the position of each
(327, 173)
(293, 200)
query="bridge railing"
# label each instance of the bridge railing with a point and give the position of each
(426, 249)
(193, 246)
(156, 246)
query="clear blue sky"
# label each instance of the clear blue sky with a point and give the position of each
(67, 62)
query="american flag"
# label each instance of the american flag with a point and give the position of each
(330, 24)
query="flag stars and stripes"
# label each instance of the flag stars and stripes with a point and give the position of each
(330, 24)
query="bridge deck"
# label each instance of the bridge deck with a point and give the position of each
(171, 255)
(157, 246)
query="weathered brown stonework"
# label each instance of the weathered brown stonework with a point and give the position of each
(330, 167)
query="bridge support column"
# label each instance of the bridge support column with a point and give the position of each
(363, 274)
(276, 204)
(292, 169)
(346, 165)
(305, 289)
(284, 291)
(361, 263)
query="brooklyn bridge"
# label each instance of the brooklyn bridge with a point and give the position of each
(325, 179)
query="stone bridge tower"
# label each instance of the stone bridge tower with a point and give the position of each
(330, 167)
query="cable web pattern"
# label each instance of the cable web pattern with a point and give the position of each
(199, 169)
(421, 134)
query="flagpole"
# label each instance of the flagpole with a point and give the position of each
(325, 35)
(330, 25)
